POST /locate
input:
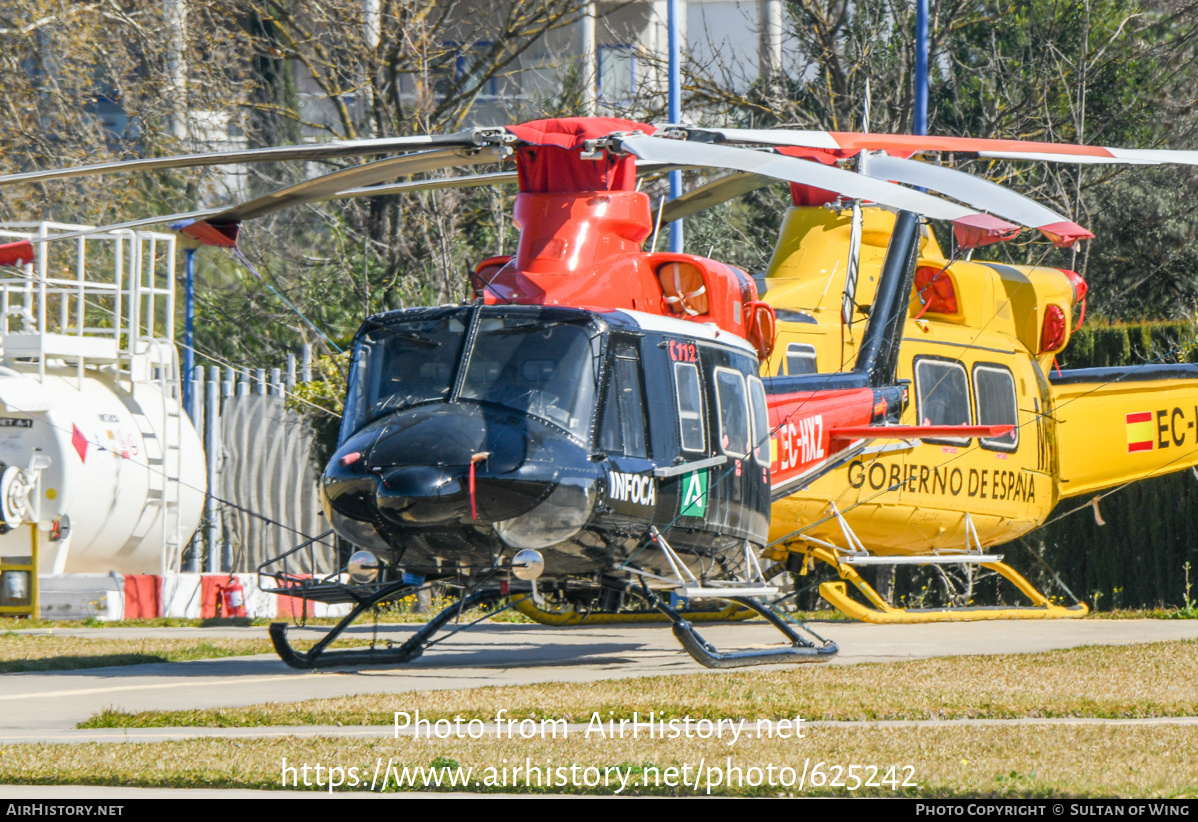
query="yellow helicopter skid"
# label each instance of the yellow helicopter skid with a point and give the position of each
(882, 613)
(524, 604)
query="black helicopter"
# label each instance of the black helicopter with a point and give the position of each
(591, 426)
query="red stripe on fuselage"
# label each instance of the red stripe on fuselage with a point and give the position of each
(801, 424)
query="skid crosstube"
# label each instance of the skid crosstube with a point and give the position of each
(525, 604)
(337, 593)
(801, 649)
(317, 657)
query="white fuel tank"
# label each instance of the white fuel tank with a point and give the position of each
(125, 472)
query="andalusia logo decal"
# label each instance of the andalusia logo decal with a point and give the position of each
(694, 494)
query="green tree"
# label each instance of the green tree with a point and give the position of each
(1106, 72)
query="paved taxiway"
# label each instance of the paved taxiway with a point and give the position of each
(47, 706)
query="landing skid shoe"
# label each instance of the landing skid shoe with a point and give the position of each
(801, 649)
(739, 592)
(318, 657)
(883, 613)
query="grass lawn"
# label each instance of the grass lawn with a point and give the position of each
(957, 760)
(1125, 681)
(1026, 761)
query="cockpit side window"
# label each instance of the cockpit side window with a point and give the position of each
(800, 359)
(735, 431)
(623, 429)
(690, 406)
(404, 362)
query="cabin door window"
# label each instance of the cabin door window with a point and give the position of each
(690, 407)
(994, 388)
(761, 421)
(942, 395)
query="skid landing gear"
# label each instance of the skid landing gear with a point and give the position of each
(318, 657)
(740, 594)
(881, 612)
(801, 649)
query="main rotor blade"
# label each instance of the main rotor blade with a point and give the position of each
(965, 187)
(855, 186)
(979, 193)
(313, 151)
(325, 186)
(712, 194)
(496, 178)
(164, 219)
(906, 144)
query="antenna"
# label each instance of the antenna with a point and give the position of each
(865, 109)
(657, 228)
(848, 304)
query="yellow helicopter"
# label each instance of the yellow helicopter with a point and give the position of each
(979, 347)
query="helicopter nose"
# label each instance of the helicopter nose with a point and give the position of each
(444, 438)
(420, 495)
(450, 465)
(444, 463)
(425, 495)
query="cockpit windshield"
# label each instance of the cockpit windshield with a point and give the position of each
(543, 363)
(405, 362)
(545, 368)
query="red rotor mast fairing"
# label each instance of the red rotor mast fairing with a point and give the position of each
(582, 224)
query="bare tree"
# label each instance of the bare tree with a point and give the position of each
(103, 80)
(356, 68)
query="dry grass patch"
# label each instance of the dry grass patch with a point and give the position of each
(31, 652)
(398, 613)
(404, 615)
(951, 761)
(1148, 680)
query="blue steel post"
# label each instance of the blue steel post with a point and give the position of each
(921, 67)
(189, 322)
(675, 113)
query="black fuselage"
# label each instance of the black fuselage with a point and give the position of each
(472, 432)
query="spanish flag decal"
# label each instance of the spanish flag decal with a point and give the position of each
(1139, 432)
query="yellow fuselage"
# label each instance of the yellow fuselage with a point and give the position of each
(981, 363)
